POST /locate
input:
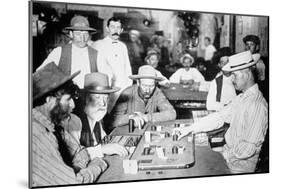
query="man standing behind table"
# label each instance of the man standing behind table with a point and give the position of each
(90, 132)
(143, 102)
(57, 158)
(113, 59)
(247, 116)
(209, 49)
(76, 55)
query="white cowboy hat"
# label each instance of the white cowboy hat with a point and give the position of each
(146, 72)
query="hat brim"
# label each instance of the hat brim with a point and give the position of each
(105, 91)
(56, 85)
(229, 68)
(81, 29)
(135, 77)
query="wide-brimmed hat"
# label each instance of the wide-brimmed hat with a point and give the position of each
(146, 72)
(239, 61)
(98, 83)
(49, 78)
(150, 53)
(80, 23)
(186, 55)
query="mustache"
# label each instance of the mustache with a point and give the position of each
(117, 34)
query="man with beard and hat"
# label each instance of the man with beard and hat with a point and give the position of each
(143, 102)
(113, 59)
(90, 130)
(247, 116)
(76, 55)
(57, 158)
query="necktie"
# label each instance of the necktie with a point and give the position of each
(97, 132)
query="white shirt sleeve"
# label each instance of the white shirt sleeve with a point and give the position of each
(128, 69)
(54, 56)
(197, 76)
(175, 78)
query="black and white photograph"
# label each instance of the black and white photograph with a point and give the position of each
(124, 94)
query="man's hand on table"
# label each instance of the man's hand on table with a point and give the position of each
(139, 119)
(183, 131)
(114, 148)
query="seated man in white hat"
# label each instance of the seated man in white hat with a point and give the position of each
(247, 116)
(57, 158)
(187, 75)
(89, 132)
(143, 102)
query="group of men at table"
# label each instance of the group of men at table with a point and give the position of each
(66, 147)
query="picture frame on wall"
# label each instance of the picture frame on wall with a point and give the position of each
(94, 120)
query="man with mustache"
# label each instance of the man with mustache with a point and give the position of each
(56, 157)
(113, 59)
(143, 102)
(89, 131)
(247, 115)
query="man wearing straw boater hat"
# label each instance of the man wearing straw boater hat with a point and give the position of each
(76, 55)
(247, 116)
(89, 132)
(57, 158)
(143, 102)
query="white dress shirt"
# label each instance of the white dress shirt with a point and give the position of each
(209, 52)
(113, 60)
(80, 61)
(182, 74)
(228, 93)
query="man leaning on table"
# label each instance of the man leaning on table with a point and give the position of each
(247, 116)
(143, 102)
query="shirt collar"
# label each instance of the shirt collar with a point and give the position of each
(42, 115)
(107, 38)
(251, 91)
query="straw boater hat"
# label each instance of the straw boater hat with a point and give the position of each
(150, 53)
(49, 78)
(187, 56)
(239, 61)
(80, 23)
(146, 72)
(98, 83)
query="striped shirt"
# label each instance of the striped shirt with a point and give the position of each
(248, 118)
(47, 165)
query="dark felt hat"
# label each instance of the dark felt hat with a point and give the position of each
(252, 38)
(98, 83)
(80, 23)
(49, 78)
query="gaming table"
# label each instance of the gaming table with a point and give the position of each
(194, 161)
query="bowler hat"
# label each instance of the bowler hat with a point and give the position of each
(252, 38)
(98, 83)
(239, 61)
(80, 23)
(49, 78)
(150, 53)
(146, 72)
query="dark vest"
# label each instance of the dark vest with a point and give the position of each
(65, 59)
(86, 138)
(219, 82)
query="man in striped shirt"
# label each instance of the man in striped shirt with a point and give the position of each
(247, 116)
(57, 158)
